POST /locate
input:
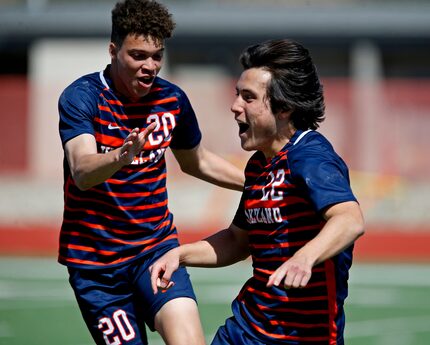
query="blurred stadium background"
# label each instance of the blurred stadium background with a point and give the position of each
(373, 57)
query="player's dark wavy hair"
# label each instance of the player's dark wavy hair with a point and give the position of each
(294, 84)
(141, 17)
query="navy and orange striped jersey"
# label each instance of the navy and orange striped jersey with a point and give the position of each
(281, 210)
(126, 216)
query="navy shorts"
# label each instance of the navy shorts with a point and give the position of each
(233, 334)
(116, 303)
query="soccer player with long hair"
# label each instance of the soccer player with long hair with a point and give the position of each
(298, 217)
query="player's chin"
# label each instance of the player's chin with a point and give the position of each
(246, 144)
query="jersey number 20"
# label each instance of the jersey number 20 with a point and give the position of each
(120, 322)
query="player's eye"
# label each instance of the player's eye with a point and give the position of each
(247, 97)
(138, 57)
(158, 57)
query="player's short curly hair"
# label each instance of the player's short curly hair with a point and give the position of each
(141, 17)
(294, 84)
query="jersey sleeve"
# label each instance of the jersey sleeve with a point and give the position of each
(77, 110)
(186, 134)
(323, 174)
(239, 218)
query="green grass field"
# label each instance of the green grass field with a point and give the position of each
(388, 304)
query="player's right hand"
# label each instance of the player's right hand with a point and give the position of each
(134, 142)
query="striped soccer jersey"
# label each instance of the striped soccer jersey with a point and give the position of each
(126, 216)
(280, 209)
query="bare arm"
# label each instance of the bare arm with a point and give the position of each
(89, 168)
(344, 225)
(224, 248)
(203, 164)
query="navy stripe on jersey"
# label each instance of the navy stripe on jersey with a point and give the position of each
(280, 209)
(126, 216)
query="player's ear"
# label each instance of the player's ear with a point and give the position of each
(285, 114)
(113, 50)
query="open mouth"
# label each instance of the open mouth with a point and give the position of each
(243, 127)
(147, 80)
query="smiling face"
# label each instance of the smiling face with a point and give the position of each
(257, 123)
(135, 64)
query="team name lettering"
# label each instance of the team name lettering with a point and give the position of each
(263, 215)
(142, 157)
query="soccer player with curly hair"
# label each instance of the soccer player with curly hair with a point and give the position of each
(115, 126)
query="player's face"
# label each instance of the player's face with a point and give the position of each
(135, 65)
(257, 124)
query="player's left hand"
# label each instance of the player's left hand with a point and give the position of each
(295, 273)
(162, 270)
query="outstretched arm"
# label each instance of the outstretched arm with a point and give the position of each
(224, 248)
(204, 164)
(344, 225)
(89, 168)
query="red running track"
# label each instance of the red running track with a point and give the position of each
(378, 244)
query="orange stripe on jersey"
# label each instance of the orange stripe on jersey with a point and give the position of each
(147, 180)
(163, 224)
(144, 116)
(286, 201)
(286, 337)
(278, 245)
(118, 207)
(163, 101)
(285, 298)
(96, 263)
(110, 101)
(292, 310)
(297, 324)
(121, 219)
(113, 101)
(87, 224)
(286, 171)
(82, 262)
(104, 228)
(108, 140)
(143, 207)
(149, 241)
(156, 102)
(147, 146)
(88, 249)
(252, 174)
(109, 110)
(155, 89)
(168, 238)
(332, 303)
(265, 272)
(107, 123)
(131, 195)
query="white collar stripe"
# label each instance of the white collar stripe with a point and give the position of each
(102, 78)
(302, 135)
